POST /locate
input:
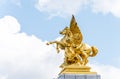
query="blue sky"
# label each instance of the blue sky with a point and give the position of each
(41, 20)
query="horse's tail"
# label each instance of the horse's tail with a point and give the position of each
(94, 51)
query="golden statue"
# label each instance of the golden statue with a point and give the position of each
(76, 52)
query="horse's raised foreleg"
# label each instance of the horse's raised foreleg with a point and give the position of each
(57, 45)
(48, 43)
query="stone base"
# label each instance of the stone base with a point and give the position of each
(79, 76)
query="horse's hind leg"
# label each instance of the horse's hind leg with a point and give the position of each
(86, 61)
(84, 57)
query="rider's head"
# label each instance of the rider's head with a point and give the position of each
(63, 32)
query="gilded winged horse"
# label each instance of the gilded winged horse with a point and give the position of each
(76, 52)
(66, 44)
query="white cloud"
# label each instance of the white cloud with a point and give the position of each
(101, 6)
(3, 77)
(10, 25)
(7, 2)
(16, 2)
(60, 7)
(106, 71)
(23, 56)
(106, 6)
(68, 7)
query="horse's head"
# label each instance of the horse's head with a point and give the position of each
(65, 31)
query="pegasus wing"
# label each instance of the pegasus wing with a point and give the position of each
(77, 35)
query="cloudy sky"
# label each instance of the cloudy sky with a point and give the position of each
(26, 25)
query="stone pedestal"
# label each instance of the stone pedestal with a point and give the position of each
(79, 76)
